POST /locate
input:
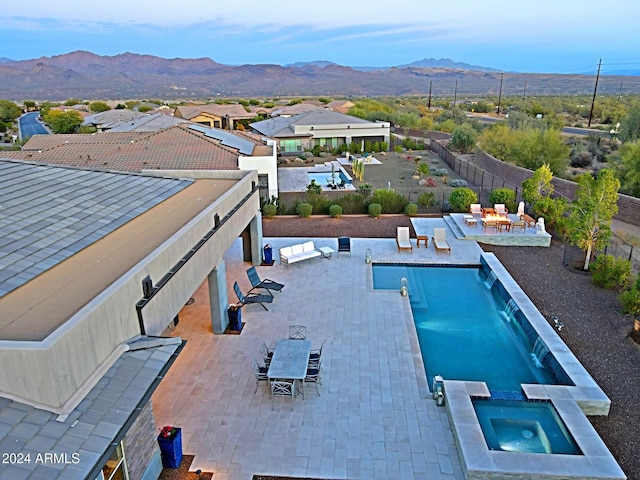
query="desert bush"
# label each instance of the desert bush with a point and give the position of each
(314, 187)
(427, 199)
(304, 210)
(351, 203)
(458, 183)
(375, 209)
(422, 169)
(269, 210)
(411, 209)
(630, 299)
(335, 211)
(440, 172)
(390, 200)
(551, 209)
(610, 272)
(581, 159)
(365, 189)
(504, 195)
(398, 149)
(461, 198)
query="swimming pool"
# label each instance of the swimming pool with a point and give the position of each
(468, 330)
(324, 178)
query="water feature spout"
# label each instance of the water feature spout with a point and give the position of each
(491, 278)
(539, 351)
(510, 310)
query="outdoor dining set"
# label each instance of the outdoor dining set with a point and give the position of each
(289, 365)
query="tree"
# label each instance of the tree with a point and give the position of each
(461, 198)
(463, 138)
(9, 111)
(29, 105)
(72, 101)
(630, 126)
(629, 169)
(144, 108)
(497, 141)
(590, 214)
(538, 185)
(97, 107)
(63, 122)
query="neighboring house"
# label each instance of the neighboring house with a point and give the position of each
(291, 110)
(104, 121)
(320, 127)
(341, 106)
(150, 122)
(214, 115)
(181, 147)
(100, 265)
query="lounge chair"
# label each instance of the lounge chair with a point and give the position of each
(402, 239)
(267, 284)
(475, 209)
(440, 240)
(251, 297)
(344, 245)
(501, 210)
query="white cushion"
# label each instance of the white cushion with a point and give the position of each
(296, 249)
(307, 247)
(286, 251)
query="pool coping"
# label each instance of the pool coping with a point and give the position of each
(572, 403)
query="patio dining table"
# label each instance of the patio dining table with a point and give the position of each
(290, 360)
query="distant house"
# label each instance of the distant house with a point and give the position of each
(320, 127)
(184, 147)
(214, 115)
(131, 121)
(341, 106)
(292, 110)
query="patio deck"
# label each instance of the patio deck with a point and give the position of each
(374, 418)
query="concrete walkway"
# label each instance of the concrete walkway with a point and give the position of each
(374, 418)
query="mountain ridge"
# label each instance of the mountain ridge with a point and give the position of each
(131, 75)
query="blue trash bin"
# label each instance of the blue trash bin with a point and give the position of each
(268, 254)
(235, 318)
(171, 449)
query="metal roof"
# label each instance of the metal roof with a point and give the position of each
(226, 138)
(49, 213)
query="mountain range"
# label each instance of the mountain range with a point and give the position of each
(89, 76)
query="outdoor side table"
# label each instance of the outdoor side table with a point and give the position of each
(326, 252)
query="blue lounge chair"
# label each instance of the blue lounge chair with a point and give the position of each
(267, 284)
(251, 298)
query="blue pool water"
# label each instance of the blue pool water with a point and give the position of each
(533, 427)
(323, 178)
(466, 330)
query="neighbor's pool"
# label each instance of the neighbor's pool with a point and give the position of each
(467, 331)
(324, 178)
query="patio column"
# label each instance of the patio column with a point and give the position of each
(255, 231)
(218, 298)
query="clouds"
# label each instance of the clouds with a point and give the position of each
(509, 34)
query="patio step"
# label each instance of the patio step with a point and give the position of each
(454, 227)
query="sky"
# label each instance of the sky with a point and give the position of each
(543, 36)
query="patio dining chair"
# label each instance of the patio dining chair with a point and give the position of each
(260, 372)
(315, 356)
(344, 245)
(297, 332)
(267, 354)
(267, 283)
(280, 388)
(251, 297)
(313, 376)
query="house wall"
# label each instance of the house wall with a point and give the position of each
(265, 165)
(346, 131)
(56, 373)
(141, 444)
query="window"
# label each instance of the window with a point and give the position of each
(116, 466)
(290, 146)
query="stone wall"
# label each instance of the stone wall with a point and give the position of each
(140, 444)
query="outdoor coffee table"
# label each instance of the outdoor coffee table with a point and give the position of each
(326, 252)
(470, 221)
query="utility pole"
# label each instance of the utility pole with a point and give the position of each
(455, 95)
(595, 89)
(524, 91)
(429, 104)
(620, 92)
(500, 94)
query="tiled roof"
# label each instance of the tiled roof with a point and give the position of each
(111, 116)
(234, 110)
(173, 148)
(93, 429)
(296, 109)
(148, 123)
(49, 213)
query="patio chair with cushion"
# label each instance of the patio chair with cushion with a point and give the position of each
(501, 209)
(251, 297)
(402, 239)
(280, 388)
(267, 353)
(440, 240)
(519, 224)
(475, 209)
(313, 376)
(315, 356)
(297, 332)
(267, 284)
(260, 372)
(344, 245)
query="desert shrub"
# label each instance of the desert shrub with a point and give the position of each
(610, 272)
(335, 211)
(375, 209)
(427, 199)
(461, 198)
(398, 149)
(581, 159)
(410, 209)
(390, 200)
(304, 210)
(269, 210)
(458, 183)
(551, 209)
(504, 195)
(422, 169)
(365, 189)
(351, 203)
(314, 187)
(440, 172)
(384, 146)
(630, 299)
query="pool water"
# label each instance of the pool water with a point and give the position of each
(515, 426)
(464, 330)
(324, 178)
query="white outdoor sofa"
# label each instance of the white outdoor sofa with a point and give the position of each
(295, 253)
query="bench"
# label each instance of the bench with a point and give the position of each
(298, 252)
(528, 220)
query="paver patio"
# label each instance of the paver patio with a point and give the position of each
(374, 418)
